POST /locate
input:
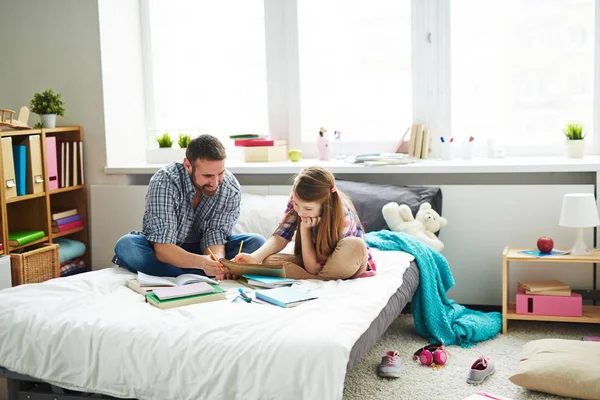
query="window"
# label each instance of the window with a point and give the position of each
(206, 65)
(355, 68)
(521, 69)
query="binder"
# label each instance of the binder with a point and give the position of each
(35, 172)
(8, 164)
(81, 180)
(20, 159)
(67, 166)
(75, 168)
(51, 163)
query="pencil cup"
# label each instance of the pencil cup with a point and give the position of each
(467, 149)
(447, 150)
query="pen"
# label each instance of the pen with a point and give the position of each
(241, 244)
(451, 139)
(214, 257)
(244, 296)
(471, 139)
(442, 139)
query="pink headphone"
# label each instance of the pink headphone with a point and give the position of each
(430, 354)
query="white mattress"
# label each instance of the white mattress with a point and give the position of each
(89, 332)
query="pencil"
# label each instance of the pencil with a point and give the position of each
(214, 257)
(241, 244)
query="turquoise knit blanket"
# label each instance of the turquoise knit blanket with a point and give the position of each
(438, 318)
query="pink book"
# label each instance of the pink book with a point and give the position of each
(67, 227)
(183, 291)
(51, 163)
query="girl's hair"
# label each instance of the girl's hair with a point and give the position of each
(317, 185)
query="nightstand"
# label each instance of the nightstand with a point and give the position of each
(591, 314)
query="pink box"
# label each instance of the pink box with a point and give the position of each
(556, 306)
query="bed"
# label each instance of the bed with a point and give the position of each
(89, 333)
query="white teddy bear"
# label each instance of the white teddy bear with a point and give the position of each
(427, 221)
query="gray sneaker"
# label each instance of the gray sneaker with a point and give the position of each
(390, 366)
(481, 369)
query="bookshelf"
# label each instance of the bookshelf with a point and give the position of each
(33, 211)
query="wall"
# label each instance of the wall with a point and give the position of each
(483, 219)
(56, 44)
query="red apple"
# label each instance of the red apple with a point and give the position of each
(545, 244)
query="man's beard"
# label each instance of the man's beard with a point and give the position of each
(205, 190)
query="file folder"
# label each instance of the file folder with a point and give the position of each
(20, 159)
(51, 163)
(8, 164)
(35, 172)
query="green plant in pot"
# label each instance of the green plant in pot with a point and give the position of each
(47, 105)
(184, 140)
(574, 145)
(164, 141)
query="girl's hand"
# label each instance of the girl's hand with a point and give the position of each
(307, 223)
(245, 258)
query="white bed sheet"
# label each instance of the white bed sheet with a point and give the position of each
(89, 332)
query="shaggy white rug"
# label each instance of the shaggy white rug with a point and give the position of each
(449, 383)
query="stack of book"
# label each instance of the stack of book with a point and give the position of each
(269, 282)
(164, 292)
(546, 288)
(258, 148)
(66, 220)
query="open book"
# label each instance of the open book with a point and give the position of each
(185, 279)
(253, 269)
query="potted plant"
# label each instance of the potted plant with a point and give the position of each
(575, 146)
(164, 141)
(184, 140)
(47, 105)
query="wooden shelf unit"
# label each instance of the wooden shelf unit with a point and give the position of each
(591, 314)
(34, 211)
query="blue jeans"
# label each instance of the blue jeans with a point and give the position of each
(136, 253)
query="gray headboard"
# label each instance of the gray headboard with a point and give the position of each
(369, 199)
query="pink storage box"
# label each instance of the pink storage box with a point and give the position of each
(556, 306)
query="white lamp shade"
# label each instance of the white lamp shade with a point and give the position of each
(579, 210)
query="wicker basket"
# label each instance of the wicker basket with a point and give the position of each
(37, 265)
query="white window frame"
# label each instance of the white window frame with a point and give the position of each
(431, 78)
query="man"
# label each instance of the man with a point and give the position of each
(191, 207)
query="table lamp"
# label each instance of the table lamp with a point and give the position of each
(579, 210)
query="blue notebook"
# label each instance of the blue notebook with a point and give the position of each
(20, 159)
(285, 297)
(269, 279)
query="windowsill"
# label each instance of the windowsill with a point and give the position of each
(589, 163)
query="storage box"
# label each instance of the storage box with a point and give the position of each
(265, 153)
(5, 274)
(556, 306)
(36, 265)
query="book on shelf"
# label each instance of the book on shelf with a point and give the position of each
(185, 279)
(66, 220)
(536, 287)
(23, 237)
(551, 292)
(245, 136)
(286, 297)
(174, 292)
(260, 142)
(67, 227)
(253, 269)
(63, 213)
(218, 294)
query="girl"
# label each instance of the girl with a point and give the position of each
(329, 236)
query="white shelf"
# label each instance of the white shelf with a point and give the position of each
(431, 166)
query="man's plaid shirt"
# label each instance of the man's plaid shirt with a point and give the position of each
(170, 218)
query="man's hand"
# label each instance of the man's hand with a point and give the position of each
(210, 266)
(308, 222)
(245, 258)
